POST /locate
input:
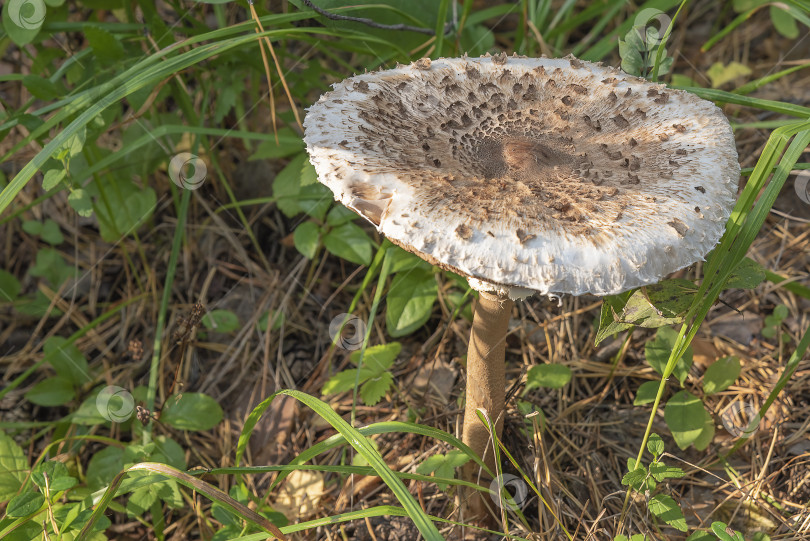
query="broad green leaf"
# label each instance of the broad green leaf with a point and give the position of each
(67, 360)
(724, 532)
(339, 215)
(374, 389)
(168, 451)
(410, 301)
(306, 237)
(661, 471)
(142, 498)
(701, 536)
(289, 143)
(287, 186)
(223, 321)
(79, 200)
(685, 417)
(747, 275)
(378, 358)
(315, 199)
(52, 267)
(43, 88)
(655, 445)
(721, 375)
(72, 146)
(635, 478)
(549, 376)
(403, 261)
(706, 434)
(58, 478)
(720, 74)
(23, 20)
(48, 230)
(264, 321)
(668, 510)
(13, 467)
(784, 22)
(646, 393)
(443, 466)
(191, 411)
(51, 178)
(24, 504)
(9, 286)
(121, 206)
(104, 44)
(345, 380)
(657, 352)
(349, 242)
(51, 392)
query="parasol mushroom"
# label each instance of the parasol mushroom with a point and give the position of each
(526, 175)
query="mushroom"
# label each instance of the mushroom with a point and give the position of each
(526, 175)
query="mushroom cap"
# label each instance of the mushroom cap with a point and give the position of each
(529, 174)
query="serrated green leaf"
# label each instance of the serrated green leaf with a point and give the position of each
(224, 321)
(24, 504)
(748, 274)
(549, 376)
(349, 242)
(13, 467)
(378, 358)
(635, 478)
(104, 466)
(306, 238)
(104, 44)
(721, 375)
(51, 392)
(345, 380)
(668, 510)
(67, 360)
(374, 389)
(646, 393)
(191, 411)
(410, 301)
(655, 445)
(685, 417)
(661, 471)
(58, 478)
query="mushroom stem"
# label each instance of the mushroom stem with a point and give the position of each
(486, 380)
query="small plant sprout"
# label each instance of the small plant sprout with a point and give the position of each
(526, 175)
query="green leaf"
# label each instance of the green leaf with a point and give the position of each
(191, 411)
(378, 358)
(168, 451)
(9, 286)
(223, 321)
(646, 393)
(72, 146)
(410, 301)
(345, 380)
(52, 178)
(661, 471)
(142, 498)
(721, 375)
(655, 445)
(13, 467)
(80, 201)
(374, 389)
(706, 434)
(67, 360)
(104, 466)
(51, 392)
(443, 466)
(657, 352)
(635, 478)
(52, 267)
(720, 74)
(784, 22)
(404, 261)
(549, 376)
(24, 504)
(289, 143)
(42, 88)
(685, 417)
(349, 242)
(106, 48)
(48, 231)
(748, 274)
(23, 20)
(58, 477)
(668, 510)
(306, 238)
(725, 533)
(121, 206)
(701, 536)
(287, 186)
(278, 321)
(339, 215)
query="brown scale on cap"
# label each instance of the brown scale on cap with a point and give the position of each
(525, 143)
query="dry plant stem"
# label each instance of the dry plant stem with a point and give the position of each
(486, 383)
